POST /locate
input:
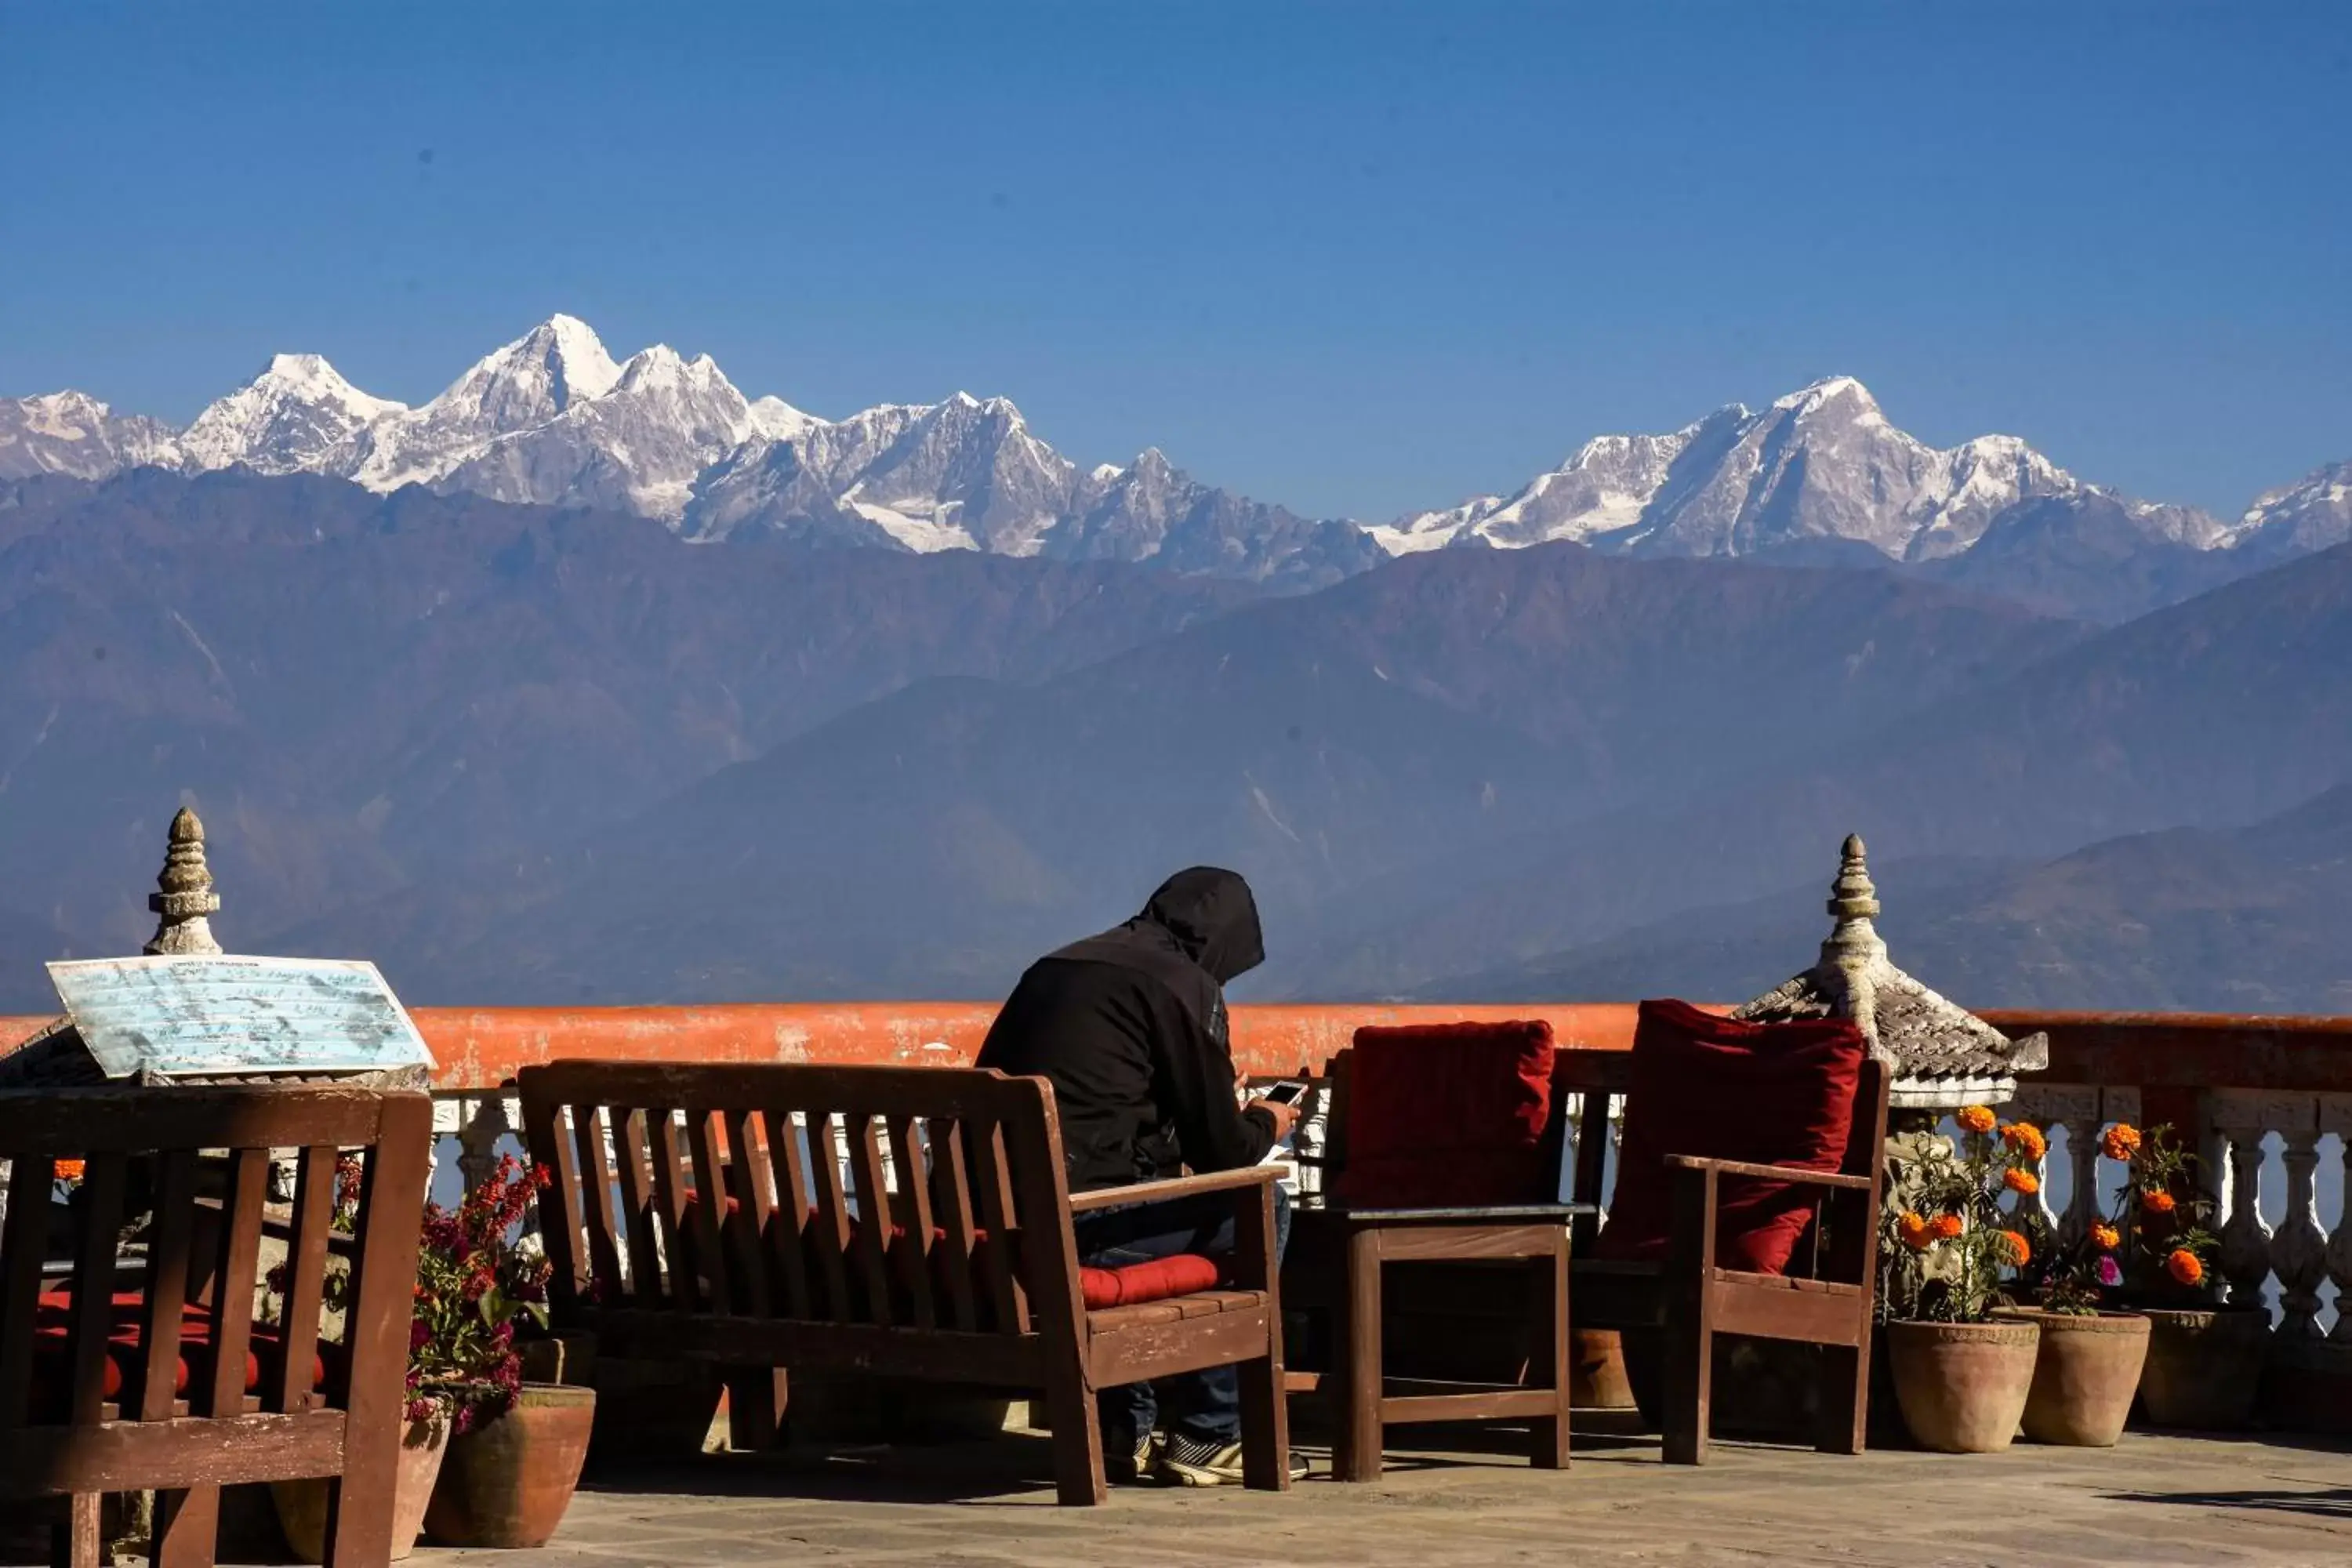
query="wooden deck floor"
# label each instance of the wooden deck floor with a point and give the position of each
(2154, 1500)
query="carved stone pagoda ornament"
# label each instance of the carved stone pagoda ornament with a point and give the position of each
(1942, 1054)
(183, 898)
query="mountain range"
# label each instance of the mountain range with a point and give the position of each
(1820, 476)
(593, 681)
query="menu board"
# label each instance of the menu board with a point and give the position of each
(201, 1016)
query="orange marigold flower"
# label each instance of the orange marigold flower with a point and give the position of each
(1978, 1119)
(2020, 1181)
(2121, 1143)
(1915, 1231)
(70, 1170)
(1945, 1227)
(2025, 1138)
(2013, 1242)
(2106, 1237)
(2156, 1200)
(2182, 1265)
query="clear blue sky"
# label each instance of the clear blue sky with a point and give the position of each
(1352, 257)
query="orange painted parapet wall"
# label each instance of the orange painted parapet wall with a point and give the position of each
(480, 1047)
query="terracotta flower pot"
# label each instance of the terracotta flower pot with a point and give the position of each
(1963, 1387)
(558, 1358)
(2084, 1376)
(302, 1505)
(2204, 1367)
(505, 1483)
(2307, 1387)
(1597, 1377)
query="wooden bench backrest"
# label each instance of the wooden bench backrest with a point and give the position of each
(141, 1148)
(962, 1165)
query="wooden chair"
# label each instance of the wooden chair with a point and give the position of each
(1505, 1218)
(162, 1386)
(1823, 1298)
(706, 1217)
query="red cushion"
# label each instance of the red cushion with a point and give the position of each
(1157, 1280)
(1442, 1114)
(126, 1358)
(1771, 1094)
(1127, 1286)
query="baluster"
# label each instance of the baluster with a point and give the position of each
(2073, 1109)
(2245, 1238)
(1314, 1139)
(2082, 1136)
(484, 1123)
(285, 1172)
(2299, 1247)
(2336, 1116)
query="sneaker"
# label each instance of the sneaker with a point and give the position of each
(1203, 1462)
(1133, 1469)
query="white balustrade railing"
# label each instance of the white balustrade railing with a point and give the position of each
(2289, 1263)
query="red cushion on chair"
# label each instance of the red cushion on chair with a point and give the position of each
(1442, 1114)
(126, 1358)
(1770, 1094)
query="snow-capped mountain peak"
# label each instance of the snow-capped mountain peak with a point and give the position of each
(1820, 474)
(76, 435)
(1848, 396)
(1821, 466)
(2312, 514)
(555, 364)
(287, 419)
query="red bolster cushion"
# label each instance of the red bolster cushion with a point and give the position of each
(1446, 1114)
(125, 1366)
(1770, 1094)
(1161, 1279)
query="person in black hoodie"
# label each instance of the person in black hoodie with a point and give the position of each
(1129, 1029)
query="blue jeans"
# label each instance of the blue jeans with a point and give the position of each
(1204, 1406)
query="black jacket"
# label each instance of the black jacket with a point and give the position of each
(1129, 1027)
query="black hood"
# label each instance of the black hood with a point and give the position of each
(1214, 918)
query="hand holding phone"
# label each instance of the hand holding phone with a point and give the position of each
(1281, 1104)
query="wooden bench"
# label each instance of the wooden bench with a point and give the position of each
(911, 1222)
(171, 1386)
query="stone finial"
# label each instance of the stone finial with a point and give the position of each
(184, 896)
(1942, 1055)
(1854, 941)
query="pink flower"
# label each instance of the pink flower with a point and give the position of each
(2111, 1273)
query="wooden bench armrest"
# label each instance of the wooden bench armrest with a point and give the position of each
(1772, 1172)
(1174, 1188)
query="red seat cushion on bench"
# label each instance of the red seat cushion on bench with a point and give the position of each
(126, 1358)
(1162, 1280)
(1770, 1094)
(1129, 1285)
(1448, 1114)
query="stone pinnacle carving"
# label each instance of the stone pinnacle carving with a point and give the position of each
(184, 897)
(1853, 943)
(1942, 1054)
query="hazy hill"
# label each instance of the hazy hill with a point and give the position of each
(354, 687)
(2218, 711)
(2253, 919)
(1384, 733)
